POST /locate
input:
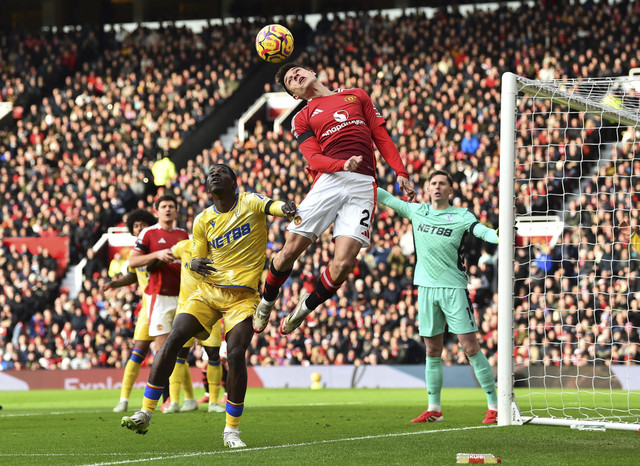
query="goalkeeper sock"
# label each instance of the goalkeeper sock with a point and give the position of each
(484, 374)
(433, 377)
(214, 377)
(131, 372)
(272, 283)
(325, 288)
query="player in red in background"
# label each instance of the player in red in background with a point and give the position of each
(137, 221)
(153, 246)
(336, 132)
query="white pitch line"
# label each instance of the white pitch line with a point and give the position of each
(50, 413)
(288, 445)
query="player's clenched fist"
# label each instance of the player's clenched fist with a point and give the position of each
(353, 163)
(289, 209)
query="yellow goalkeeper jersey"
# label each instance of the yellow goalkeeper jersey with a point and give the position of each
(183, 250)
(236, 241)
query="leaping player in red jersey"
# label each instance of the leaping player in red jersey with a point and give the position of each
(154, 247)
(336, 132)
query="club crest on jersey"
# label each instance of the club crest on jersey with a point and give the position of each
(340, 116)
(297, 220)
(350, 98)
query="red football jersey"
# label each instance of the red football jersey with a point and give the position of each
(166, 279)
(342, 124)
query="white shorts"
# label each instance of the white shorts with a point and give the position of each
(345, 199)
(162, 310)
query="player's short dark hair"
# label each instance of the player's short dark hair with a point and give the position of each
(283, 71)
(140, 215)
(443, 173)
(232, 174)
(166, 197)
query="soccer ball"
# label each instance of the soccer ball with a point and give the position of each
(274, 43)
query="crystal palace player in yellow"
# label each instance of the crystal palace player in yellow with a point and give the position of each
(181, 377)
(229, 241)
(137, 220)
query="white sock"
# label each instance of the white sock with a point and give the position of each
(124, 399)
(268, 303)
(493, 406)
(436, 408)
(230, 429)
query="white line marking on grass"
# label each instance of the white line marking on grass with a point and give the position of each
(35, 455)
(310, 405)
(288, 445)
(55, 413)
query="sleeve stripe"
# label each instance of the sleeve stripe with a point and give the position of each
(304, 136)
(267, 207)
(473, 225)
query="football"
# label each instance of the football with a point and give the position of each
(274, 43)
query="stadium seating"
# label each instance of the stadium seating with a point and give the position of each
(436, 81)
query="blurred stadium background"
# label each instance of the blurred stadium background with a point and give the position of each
(101, 114)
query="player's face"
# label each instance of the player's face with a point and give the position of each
(440, 189)
(298, 80)
(219, 180)
(138, 227)
(167, 211)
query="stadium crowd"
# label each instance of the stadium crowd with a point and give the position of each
(97, 138)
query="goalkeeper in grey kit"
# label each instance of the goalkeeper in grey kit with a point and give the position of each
(439, 231)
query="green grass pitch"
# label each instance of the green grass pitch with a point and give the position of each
(290, 426)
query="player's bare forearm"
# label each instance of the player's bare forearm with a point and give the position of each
(155, 265)
(125, 280)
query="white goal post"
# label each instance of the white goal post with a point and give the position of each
(569, 309)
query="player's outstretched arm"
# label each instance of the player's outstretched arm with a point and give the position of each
(485, 233)
(405, 209)
(286, 209)
(124, 280)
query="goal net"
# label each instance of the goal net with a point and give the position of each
(569, 279)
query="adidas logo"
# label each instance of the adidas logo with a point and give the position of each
(316, 112)
(162, 241)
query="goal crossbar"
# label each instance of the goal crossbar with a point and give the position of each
(579, 101)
